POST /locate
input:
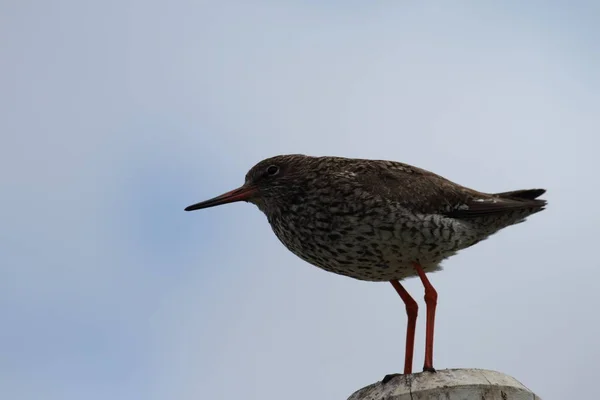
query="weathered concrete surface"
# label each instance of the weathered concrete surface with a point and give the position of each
(448, 384)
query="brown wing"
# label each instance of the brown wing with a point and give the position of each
(423, 191)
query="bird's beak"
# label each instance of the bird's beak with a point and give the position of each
(240, 194)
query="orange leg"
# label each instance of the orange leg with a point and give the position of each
(431, 302)
(412, 309)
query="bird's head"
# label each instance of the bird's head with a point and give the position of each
(269, 184)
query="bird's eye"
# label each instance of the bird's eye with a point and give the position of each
(273, 170)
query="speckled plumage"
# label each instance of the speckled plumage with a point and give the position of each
(370, 219)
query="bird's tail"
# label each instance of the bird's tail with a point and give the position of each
(525, 199)
(525, 194)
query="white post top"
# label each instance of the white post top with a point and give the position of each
(448, 384)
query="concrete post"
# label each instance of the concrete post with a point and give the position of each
(448, 384)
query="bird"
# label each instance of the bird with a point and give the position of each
(377, 221)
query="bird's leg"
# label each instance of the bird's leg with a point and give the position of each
(412, 309)
(431, 302)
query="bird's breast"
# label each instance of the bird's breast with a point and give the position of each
(370, 243)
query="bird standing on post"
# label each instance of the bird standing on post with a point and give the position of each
(376, 220)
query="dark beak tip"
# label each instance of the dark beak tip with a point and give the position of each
(193, 207)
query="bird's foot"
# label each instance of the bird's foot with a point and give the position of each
(389, 377)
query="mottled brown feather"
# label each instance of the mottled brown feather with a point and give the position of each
(424, 191)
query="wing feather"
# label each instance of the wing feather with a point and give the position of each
(423, 191)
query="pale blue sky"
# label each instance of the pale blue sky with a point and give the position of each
(115, 115)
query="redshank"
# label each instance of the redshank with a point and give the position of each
(376, 220)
